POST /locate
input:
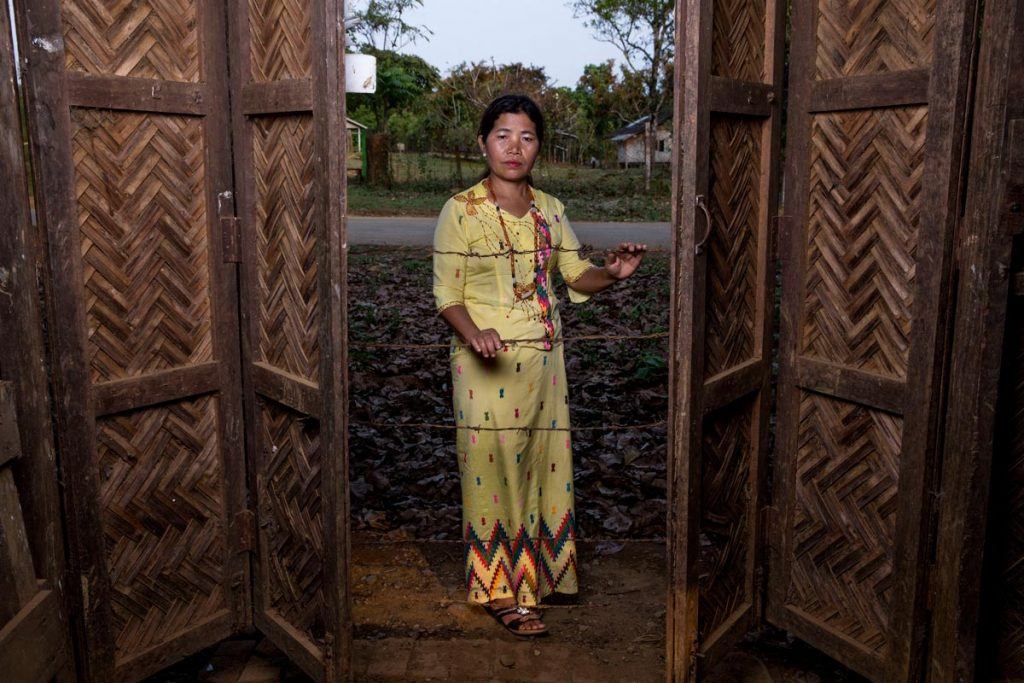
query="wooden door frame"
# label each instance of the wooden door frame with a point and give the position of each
(23, 363)
(984, 244)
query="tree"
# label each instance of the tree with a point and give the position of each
(381, 26)
(595, 95)
(401, 81)
(481, 82)
(379, 29)
(451, 122)
(643, 31)
(607, 102)
(470, 87)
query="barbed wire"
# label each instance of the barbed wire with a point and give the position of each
(480, 428)
(583, 251)
(505, 343)
(579, 539)
(510, 342)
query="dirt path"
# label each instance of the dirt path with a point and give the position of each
(414, 591)
(412, 625)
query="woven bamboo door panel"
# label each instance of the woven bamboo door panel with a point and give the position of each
(876, 119)
(289, 160)
(727, 124)
(127, 115)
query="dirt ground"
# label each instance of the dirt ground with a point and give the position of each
(616, 625)
(413, 625)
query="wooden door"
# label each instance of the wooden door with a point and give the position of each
(24, 363)
(289, 138)
(128, 119)
(987, 447)
(726, 145)
(984, 440)
(35, 640)
(875, 135)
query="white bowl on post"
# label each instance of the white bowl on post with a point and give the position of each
(360, 73)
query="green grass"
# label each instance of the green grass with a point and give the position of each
(368, 201)
(423, 182)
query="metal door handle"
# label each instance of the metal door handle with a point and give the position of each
(707, 218)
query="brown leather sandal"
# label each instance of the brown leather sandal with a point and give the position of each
(515, 625)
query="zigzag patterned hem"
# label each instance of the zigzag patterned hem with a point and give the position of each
(522, 567)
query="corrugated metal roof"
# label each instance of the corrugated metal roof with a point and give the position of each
(636, 127)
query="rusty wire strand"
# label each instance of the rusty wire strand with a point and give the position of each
(505, 343)
(478, 428)
(579, 539)
(582, 251)
(512, 342)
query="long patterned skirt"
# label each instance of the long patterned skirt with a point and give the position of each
(518, 515)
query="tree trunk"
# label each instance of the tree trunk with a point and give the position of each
(649, 148)
(378, 159)
(458, 164)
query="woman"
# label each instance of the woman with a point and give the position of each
(496, 245)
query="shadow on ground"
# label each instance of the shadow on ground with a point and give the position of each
(413, 625)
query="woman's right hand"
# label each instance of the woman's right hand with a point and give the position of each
(486, 343)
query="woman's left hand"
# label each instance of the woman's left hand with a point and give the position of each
(623, 262)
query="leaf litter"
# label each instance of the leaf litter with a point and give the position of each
(404, 482)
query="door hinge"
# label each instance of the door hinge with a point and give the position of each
(230, 239)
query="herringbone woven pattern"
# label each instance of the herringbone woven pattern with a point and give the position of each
(280, 39)
(732, 248)
(845, 516)
(738, 36)
(1008, 508)
(162, 508)
(725, 501)
(876, 36)
(865, 188)
(291, 517)
(286, 229)
(140, 191)
(155, 39)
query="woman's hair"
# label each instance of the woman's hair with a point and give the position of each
(510, 104)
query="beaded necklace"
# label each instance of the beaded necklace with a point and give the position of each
(539, 286)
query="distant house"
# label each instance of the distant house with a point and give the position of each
(632, 142)
(356, 148)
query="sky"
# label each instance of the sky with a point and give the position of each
(473, 31)
(538, 32)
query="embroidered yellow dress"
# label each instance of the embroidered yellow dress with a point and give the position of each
(519, 521)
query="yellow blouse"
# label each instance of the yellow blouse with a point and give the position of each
(469, 223)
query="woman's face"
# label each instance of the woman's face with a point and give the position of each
(511, 147)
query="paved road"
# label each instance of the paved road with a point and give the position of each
(420, 232)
